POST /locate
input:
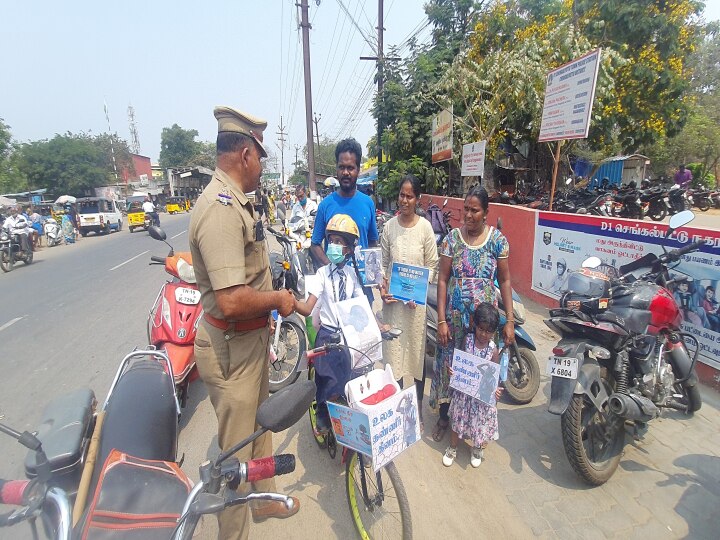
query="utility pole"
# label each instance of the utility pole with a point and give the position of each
(380, 58)
(317, 131)
(305, 24)
(297, 149)
(281, 137)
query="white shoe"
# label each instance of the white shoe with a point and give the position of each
(476, 457)
(449, 456)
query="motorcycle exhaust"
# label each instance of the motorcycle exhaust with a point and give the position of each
(632, 407)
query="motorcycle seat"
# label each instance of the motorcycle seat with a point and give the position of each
(65, 425)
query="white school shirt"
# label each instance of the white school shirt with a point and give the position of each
(322, 289)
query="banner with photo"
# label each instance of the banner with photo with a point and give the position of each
(564, 241)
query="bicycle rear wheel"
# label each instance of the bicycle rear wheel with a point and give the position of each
(378, 502)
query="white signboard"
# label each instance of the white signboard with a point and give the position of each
(564, 241)
(475, 376)
(360, 329)
(473, 159)
(442, 136)
(569, 95)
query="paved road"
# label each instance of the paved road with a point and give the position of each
(80, 312)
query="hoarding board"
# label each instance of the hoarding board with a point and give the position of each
(442, 136)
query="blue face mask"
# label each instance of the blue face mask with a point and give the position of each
(334, 252)
(303, 201)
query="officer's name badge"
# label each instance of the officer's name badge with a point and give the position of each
(225, 198)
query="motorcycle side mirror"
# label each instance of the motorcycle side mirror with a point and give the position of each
(285, 407)
(157, 233)
(680, 219)
(591, 262)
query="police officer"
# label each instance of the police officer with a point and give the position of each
(233, 274)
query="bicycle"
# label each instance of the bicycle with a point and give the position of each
(377, 502)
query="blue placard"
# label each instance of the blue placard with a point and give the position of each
(409, 283)
(351, 427)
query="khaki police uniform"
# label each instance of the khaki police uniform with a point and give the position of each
(232, 362)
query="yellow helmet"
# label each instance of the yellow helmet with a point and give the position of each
(345, 226)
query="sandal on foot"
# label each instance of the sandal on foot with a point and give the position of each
(440, 429)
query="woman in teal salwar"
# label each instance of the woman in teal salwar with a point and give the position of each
(471, 257)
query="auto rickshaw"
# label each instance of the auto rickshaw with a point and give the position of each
(136, 214)
(173, 205)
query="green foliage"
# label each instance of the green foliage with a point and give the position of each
(66, 164)
(701, 175)
(178, 147)
(10, 179)
(205, 155)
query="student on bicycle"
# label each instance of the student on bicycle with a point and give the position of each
(337, 281)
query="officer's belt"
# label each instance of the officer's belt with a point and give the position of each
(238, 326)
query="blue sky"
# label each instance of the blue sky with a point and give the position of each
(173, 61)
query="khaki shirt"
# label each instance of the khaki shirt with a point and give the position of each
(222, 243)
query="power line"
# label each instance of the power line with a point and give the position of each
(373, 46)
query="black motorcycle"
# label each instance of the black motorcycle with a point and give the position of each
(11, 251)
(654, 203)
(678, 200)
(622, 357)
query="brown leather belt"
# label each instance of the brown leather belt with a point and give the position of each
(238, 326)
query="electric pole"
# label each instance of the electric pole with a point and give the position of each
(305, 24)
(317, 131)
(380, 58)
(281, 137)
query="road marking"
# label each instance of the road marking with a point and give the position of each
(129, 260)
(178, 234)
(10, 323)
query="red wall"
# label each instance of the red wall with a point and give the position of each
(142, 166)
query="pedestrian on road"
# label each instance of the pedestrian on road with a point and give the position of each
(232, 268)
(407, 238)
(347, 200)
(683, 177)
(471, 257)
(470, 418)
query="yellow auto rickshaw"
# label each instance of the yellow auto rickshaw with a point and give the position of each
(135, 213)
(173, 205)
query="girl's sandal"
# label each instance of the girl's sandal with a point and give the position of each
(440, 429)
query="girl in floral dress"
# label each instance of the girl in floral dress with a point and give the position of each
(470, 259)
(470, 418)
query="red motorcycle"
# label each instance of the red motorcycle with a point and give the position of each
(622, 356)
(175, 315)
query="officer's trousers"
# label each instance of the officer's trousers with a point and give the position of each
(234, 367)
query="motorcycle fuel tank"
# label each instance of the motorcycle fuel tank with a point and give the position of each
(646, 308)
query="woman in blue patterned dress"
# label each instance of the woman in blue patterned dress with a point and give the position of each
(470, 259)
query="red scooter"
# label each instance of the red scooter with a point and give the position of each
(175, 314)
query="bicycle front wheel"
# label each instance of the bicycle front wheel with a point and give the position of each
(378, 502)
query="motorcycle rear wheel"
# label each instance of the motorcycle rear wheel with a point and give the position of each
(593, 447)
(522, 390)
(703, 205)
(291, 347)
(657, 212)
(694, 399)
(28, 257)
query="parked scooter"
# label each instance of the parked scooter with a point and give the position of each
(622, 356)
(678, 199)
(175, 315)
(137, 489)
(53, 234)
(299, 230)
(11, 250)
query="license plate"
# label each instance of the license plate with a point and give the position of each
(89, 219)
(563, 366)
(187, 296)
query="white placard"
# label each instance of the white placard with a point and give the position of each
(569, 95)
(475, 376)
(360, 329)
(473, 159)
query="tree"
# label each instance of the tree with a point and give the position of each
(11, 181)
(66, 164)
(205, 155)
(178, 147)
(112, 145)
